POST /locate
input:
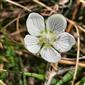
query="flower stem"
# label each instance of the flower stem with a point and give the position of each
(50, 74)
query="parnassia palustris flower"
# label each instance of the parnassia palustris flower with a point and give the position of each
(48, 39)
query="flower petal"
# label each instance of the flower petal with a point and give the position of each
(64, 42)
(31, 43)
(50, 55)
(56, 23)
(35, 24)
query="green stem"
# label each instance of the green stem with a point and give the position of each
(38, 76)
(22, 67)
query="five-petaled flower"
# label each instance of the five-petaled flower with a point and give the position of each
(49, 39)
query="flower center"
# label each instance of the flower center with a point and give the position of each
(47, 38)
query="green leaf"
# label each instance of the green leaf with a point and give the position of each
(82, 81)
(67, 77)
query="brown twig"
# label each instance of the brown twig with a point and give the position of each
(42, 4)
(78, 49)
(2, 83)
(19, 5)
(82, 1)
(67, 62)
(75, 24)
(73, 16)
(73, 59)
(17, 27)
(81, 28)
(12, 21)
(17, 32)
(78, 54)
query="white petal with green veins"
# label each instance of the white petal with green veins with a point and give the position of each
(56, 23)
(50, 54)
(31, 43)
(35, 24)
(64, 42)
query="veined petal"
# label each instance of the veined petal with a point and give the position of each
(64, 42)
(35, 24)
(50, 55)
(56, 23)
(31, 43)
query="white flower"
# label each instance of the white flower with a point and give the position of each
(48, 40)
